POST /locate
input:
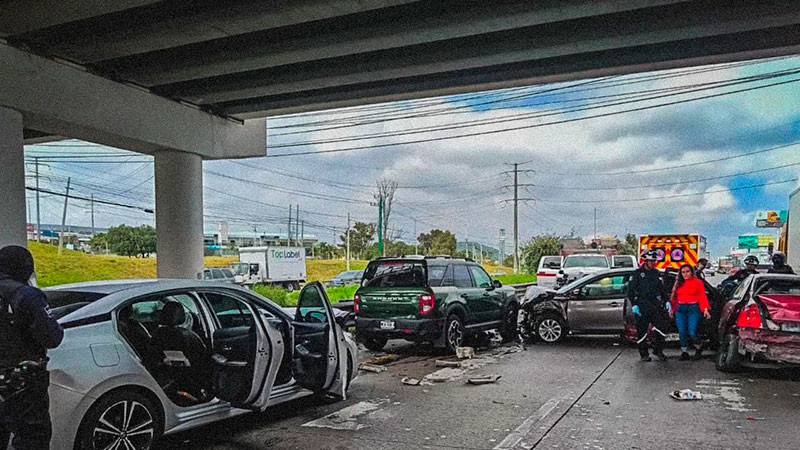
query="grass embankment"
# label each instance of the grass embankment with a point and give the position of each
(516, 278)
(283, 298)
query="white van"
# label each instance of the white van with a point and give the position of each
(623, 261)
(548, 271)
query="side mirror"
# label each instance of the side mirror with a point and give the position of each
(497, 284)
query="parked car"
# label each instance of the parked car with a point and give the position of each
(145, 358)
(439, 300)
(224, 275)
(579, 265)
(620, 261)
(547, 273)
(595, 304)
(347, 278)
(760, 325)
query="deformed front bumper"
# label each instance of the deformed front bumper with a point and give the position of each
(777, 347)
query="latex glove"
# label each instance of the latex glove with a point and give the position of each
(635, 310)
(669, 308)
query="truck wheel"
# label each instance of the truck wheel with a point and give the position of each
(374, 344)
(550, 329)
(454, 332)
(728, 358)
(289, 287)
(509, 330)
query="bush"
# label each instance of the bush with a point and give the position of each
(276, 294)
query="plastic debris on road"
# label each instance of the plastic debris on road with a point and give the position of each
(372, 368)
(686, 394)
(484, 379)
(383, 359)
(442, 363)
(415, 382)
(465, 352)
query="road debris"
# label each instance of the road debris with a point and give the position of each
(372, 368)
(753, 419)
(686, 394)
(348, 418)
(446, 374)
(442, 363)
(383, 359)
(415, 382)
(484, 379)
(465, 352)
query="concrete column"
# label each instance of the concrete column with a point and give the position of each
(13, 219)
(179, 214)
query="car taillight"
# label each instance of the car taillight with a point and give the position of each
(357, 304)
(426, 304)
(750, 317)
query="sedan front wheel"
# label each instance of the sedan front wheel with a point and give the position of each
(123, 419)
(551, 329)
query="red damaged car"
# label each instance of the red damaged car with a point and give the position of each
(760, 325)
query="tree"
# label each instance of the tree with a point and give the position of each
(130, 241)
(386, 189)
(324, 250)
(630, 246)
(99, 243)
(361, 236)
(533, 250)
(438, 242)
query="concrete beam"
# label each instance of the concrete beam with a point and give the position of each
(22, 16)
(151, 29)
(13, 221)
(684, 22)
(264, 50)
(64, 100)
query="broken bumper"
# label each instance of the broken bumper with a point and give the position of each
(777, 347)
(427, 329)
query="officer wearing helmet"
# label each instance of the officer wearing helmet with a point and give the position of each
(27, 330)
(779, 264)
(750, 264)
(646, 294)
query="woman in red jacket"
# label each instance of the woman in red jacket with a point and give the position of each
(689, 304)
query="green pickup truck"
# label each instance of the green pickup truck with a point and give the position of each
(438, 300)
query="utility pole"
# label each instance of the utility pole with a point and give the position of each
(63, 219)
(348, 242)
(381, 231)
(38, 216)
(516, 218)
(296, 223)
(92, 215)
(416, 240)
(289, 235)
(595, 224)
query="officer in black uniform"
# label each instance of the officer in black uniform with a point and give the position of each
(779, 264)
(27, 330)
(646, 294)
(750, 265)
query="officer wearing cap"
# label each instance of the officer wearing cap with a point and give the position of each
(27, 330)
(646, 294)
(779, 264)
(750, 264)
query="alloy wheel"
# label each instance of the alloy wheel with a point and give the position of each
(125, 425)
(454, 334)
(550, 330)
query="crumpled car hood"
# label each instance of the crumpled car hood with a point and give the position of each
(782, 307)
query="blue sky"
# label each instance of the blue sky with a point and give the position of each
(457, 184)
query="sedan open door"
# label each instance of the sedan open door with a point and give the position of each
(320, 352)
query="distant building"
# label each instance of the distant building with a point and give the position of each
(571, 243)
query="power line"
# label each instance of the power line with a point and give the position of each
(103, 202)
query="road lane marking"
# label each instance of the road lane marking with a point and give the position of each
(527, 425)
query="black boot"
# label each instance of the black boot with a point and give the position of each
(660, 355)
(698, 352)
(645, 357)
(685, 356)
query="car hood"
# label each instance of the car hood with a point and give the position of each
(782, 307)
(537, 294)
(573, 273)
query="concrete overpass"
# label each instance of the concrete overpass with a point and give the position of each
(192, 81)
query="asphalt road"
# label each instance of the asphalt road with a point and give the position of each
(586, 393)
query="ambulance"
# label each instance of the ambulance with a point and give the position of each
(674, 250)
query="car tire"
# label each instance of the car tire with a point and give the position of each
(289, 287)
(510, 330)
(550, 329)
(728, 358)
(122, 414)
(374, 344)
(454, 332)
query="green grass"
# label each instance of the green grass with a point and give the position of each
(283, 298)
(516, 278)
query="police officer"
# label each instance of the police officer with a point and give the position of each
(646, 294)
(27, 330)
(750, 264)
(779, 264)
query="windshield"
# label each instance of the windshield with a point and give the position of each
(395, 274)
(585, 261)
(240, 268)
(548, 261)
(66, 302)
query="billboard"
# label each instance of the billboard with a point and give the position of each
(771, 219)
(754, 241)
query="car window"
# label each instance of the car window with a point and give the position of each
(217, 274)
(435, 275)
(551, 260)
(207, 274)
(482, 279)
(147, 312)
(585, 261)
(741, 289)
(395, 274)
(461, 276)
(227, 273)
(606, 287)
(447, 278)
(623, 261)
(311, 306)
(65, 302)
(783, 287)
(229, 311)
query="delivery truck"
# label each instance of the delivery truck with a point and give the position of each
(276, 266)
(674, 250)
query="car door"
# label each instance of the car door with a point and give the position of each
(320, 351)
(246, 352)
(471, 295)
(489, 298)
(598, 305)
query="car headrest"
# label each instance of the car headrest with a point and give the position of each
(173, 314)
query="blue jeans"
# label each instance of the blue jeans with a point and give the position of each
(688, 320)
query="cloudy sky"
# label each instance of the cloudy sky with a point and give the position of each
(696, 165)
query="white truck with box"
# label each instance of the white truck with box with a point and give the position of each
(277, 266)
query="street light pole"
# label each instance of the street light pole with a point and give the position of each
(348, 242)
(63, 219)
